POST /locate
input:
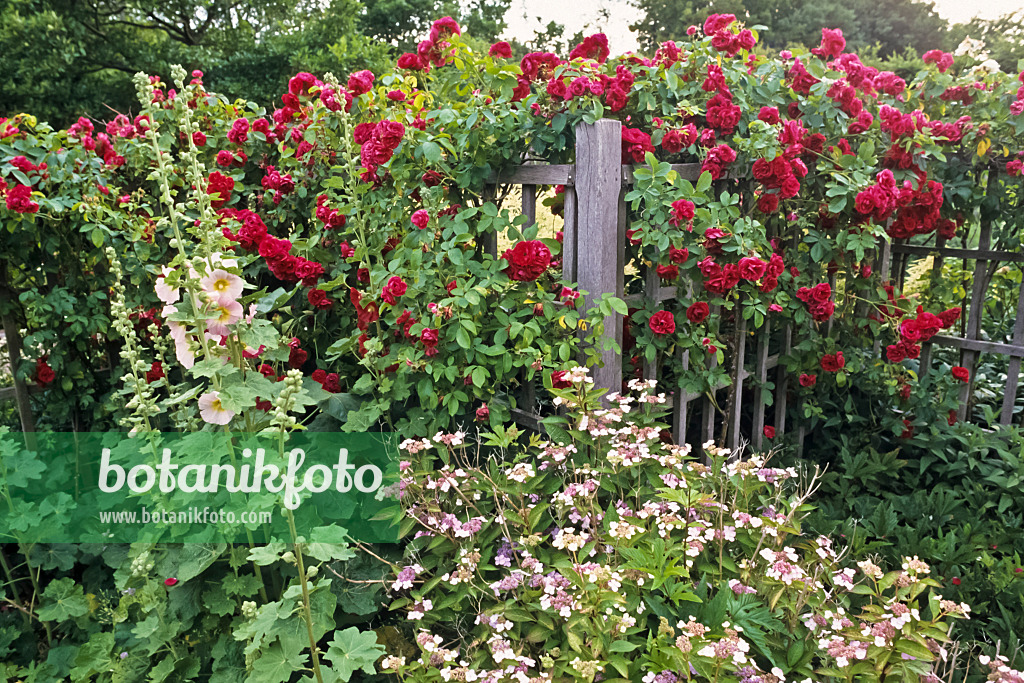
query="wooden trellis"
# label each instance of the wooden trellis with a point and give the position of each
(594, 252)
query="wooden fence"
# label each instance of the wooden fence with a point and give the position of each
(594, 255)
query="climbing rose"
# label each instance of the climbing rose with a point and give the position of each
(682, 210)
(808, 380)
(500, 49)
(420, 218)
(960, 373)
(662, 322)
(44, 373)
(769, 431)
(318, 298)
(697, 312)
(527, 260)
(19, 200)
(833, 362)
(395, 288)
(221, 185)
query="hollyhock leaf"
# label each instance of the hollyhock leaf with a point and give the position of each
(353, 650)
(95, 656)
(338, 406)
(21, 467)
(238, 397)
(275, 665)
(264, 555)
(63, 599)
(190, 560)
(331, 544)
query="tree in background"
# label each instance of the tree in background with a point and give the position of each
(1003, 38)
(67, 58)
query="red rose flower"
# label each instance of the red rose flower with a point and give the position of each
(527, 260)
(429, 337)
(808, 380)
(769, 431)
(44, 373)
(697, 312)
(482, 413)
(318, 298)
(662, 322)
(220, 185)
(752, 268)
(678, 255)
(395, 288)
(170, 582)
(833, 362)
(558, 380)
(500, 49)
(670, 272)
(682, 211)
(768, 203)
(961, 373)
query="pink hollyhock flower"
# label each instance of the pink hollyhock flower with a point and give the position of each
(224, 315)
(168, 295)
(212, 412)
(224, 287)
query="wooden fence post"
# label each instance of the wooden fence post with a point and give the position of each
(600, 234)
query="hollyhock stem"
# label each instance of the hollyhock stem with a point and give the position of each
(307, 613)
(306, 610)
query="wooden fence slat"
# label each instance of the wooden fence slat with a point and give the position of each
(680, 408)
(924, 364)
(782, 382)
(598, 264)
(884, 267)
(535, 174)
(761, 372)
(969, 356)
(736, 392)
(530, 203)
(708, 415)
(569, 235)
(979, 345)
(1013, 369)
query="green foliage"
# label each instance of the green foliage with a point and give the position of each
(608, 550)
(68, 59)
(951, 496)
